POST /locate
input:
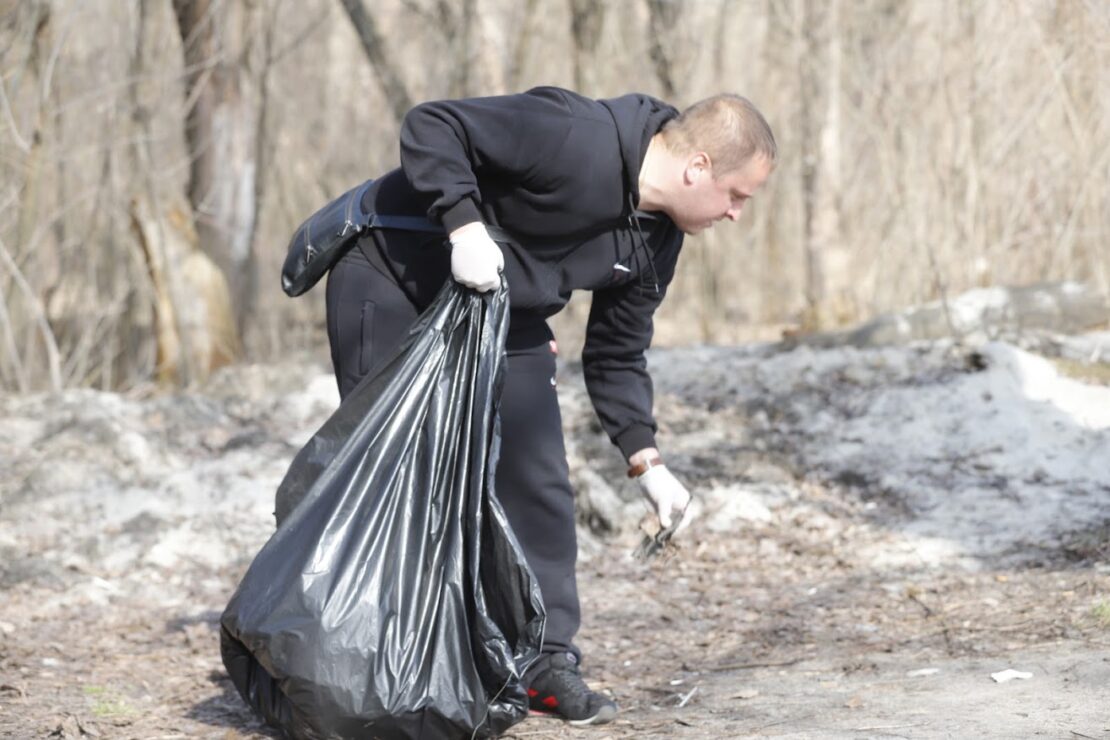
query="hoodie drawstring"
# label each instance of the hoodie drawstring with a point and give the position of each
(634, 223)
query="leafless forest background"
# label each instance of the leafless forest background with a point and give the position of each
(156, 155)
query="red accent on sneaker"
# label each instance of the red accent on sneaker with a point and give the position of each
(532, 693)
(550, 701)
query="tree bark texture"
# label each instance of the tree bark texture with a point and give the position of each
(818, 60)
(393, 86)
(220, 131)
(195, 331)
(587, 17)
(662, 19)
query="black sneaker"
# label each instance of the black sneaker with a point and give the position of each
(557, 690)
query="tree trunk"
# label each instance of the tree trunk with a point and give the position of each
(195, 331)
(220, 131)
(396, 93)
(199, 274)
(662, 18)
(807, 90)
(818, 59)
(19, 279)
(586, 20)
(521, 46)
(826, 217)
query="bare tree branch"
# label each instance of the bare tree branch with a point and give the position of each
(301, 38)
(396, 93)
(53, 362)
(20, 142)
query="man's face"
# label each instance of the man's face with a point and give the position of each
(704, 200)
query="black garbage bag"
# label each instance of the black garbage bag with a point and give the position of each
(394, 601)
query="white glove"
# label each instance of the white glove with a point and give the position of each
(476, 261)
(666, 494)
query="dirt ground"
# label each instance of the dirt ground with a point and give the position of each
(762, 633)
(778, 620)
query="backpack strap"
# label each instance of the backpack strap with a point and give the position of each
(330, 233)
(423, 225)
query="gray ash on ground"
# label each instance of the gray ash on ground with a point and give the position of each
(877, 530)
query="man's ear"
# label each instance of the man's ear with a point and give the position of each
(698, 165)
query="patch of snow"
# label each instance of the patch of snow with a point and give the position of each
(1037, 379)
(983, 463)
(111, 489)
(728, 508)
(967, 309)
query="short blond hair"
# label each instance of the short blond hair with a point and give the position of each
(727, 127)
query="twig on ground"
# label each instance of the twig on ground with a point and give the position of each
(747, 666)
(781, 722)
(917, 600)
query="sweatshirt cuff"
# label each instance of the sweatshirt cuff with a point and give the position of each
(634, 439)
(462, 213)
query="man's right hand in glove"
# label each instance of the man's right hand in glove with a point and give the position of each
(669, 497)
(476, 260)
(666, 494)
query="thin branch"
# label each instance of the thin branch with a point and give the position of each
(750, 666)
(19, 140)
(300, 39)
(12, 351)
(47, 81)
(52, 355)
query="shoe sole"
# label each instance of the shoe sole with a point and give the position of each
(604, 716)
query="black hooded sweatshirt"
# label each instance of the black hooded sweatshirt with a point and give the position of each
(560, 173)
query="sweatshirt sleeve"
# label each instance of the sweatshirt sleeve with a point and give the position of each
(618, 333)
(448, 145)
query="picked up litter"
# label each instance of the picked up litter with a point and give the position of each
(923, 672)
(1009, 675)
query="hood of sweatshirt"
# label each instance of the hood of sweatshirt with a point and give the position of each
(638, 118)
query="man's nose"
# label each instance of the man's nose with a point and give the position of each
(734, 213)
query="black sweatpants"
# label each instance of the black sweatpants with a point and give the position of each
(369, 314)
